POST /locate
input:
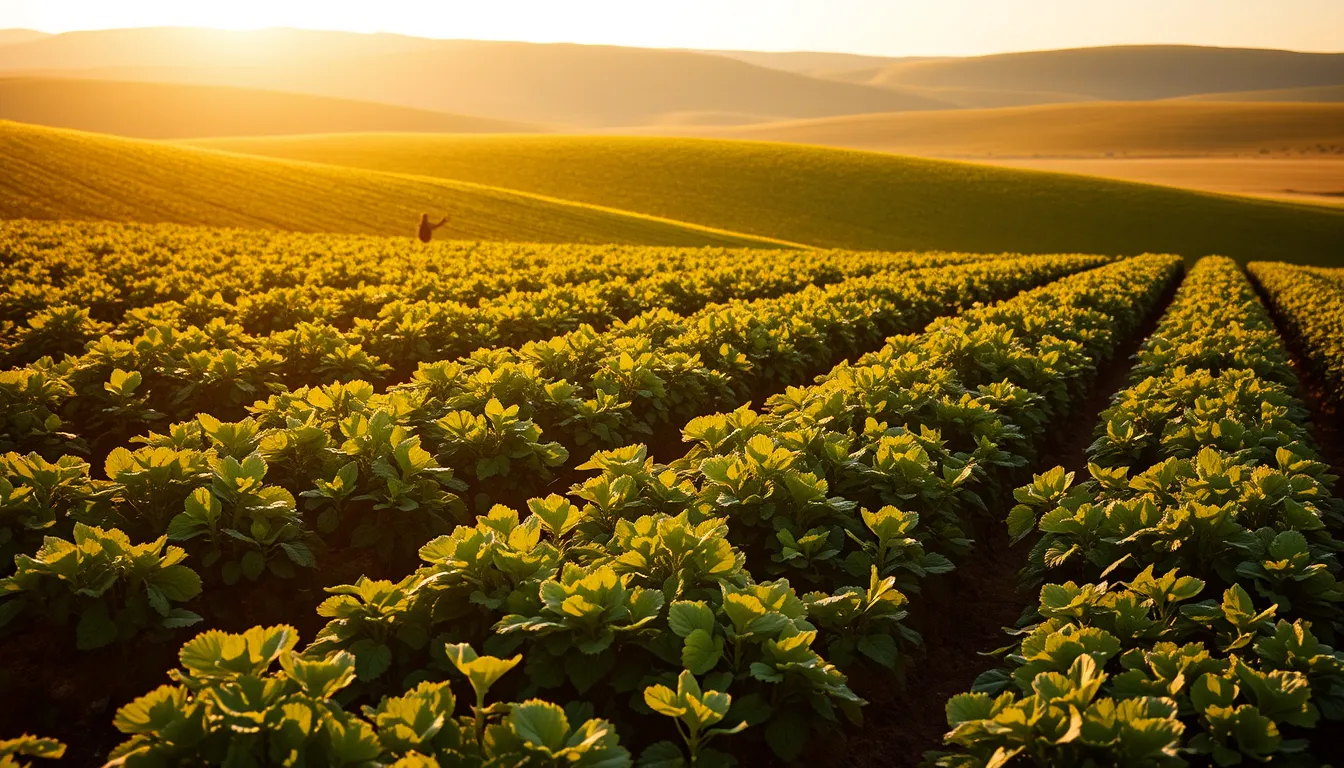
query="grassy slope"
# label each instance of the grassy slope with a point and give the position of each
(176, 111)
(583, 85)
(1127, 72)
(49, 173)
(844, 198)
(1316, 93)
(1171, 128)
(1304, 179)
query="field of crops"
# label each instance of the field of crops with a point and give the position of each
(285, 499)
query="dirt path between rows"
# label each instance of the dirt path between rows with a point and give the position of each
(962, 616)
(1327, 418)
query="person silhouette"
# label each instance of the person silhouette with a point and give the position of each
(427, 229)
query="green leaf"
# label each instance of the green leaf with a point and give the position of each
(157, 601)
(787, 734)
(178, 583)
(684, 617)
(701, 651)
(321, 679)
(482, 671)
(663, 700)
(299, 554)
(253, 564)
(557, 513)
(965, 707)
(662, 754)
(371, 658)
(96, 628)
(540, 723)
(879, 648)
(1212, 690)
(1021, 521)
(179, 617)
(154, 711)
(230, 572)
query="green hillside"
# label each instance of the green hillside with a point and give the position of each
(49, 173)
(848, 199)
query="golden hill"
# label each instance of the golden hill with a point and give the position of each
(50, 173)
(1328, 93)
(582, 85)
(1125, 72)
(15, 36)
(842, 198)
(1161, 128)
(176, 111)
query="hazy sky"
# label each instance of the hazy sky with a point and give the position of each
(896, 27)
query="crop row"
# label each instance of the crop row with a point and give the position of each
(398, 327)
(643, 578)
(111, 269)
(117, 389)
(387, 471)
(1310, 305)
(1190, 585)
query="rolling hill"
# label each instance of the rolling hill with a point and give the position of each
(1089, 129)
(842, 198)
(15, 36)
(49, 173)
(1124, 73)
(580, 85)
(197, 47)
(176, 111)
(813, 62)
(1311, 93)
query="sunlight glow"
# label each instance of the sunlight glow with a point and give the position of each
(892, 27)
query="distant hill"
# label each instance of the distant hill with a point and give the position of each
(50, 173)
(593, 86)
(14, 36)
(990, 98)
(193, 47)
(1317, 93)
(813, 62)
(1089, 129)
(581, 85)
(1125, 72)
(840, 198)
(176, 111)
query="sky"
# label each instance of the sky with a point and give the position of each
(880, 27)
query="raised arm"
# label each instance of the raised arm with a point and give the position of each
(442, 221)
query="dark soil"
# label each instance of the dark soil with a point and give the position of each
(1327, 424)
(962, 616)
(52, 689)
